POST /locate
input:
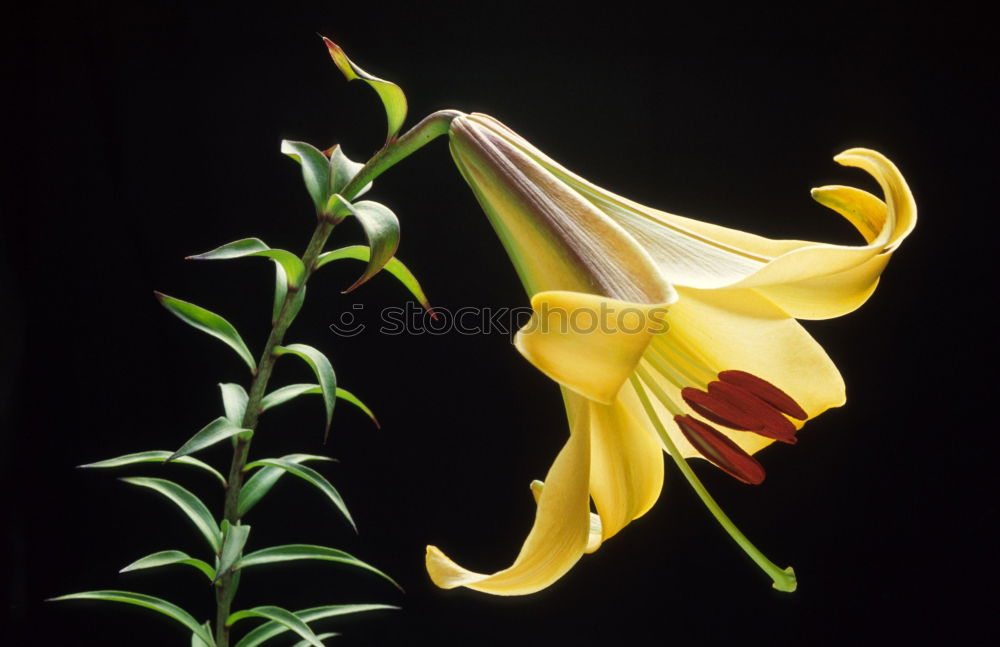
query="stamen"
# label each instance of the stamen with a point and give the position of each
(665, 368)
(720, 411)
(783, 578)
(660, 394)
(765, 391)
(722, 451)
(771, 423)
(692, 373)
(673, 349)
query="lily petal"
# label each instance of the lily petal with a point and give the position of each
(626, 466)
(557, 239)
(809, 280)
(588, 343)
(596, 534)
(557, 539)
(739, 329)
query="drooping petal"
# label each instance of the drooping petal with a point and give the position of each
(588, 343)
(626, 466)
(557, 540)
(596, 534)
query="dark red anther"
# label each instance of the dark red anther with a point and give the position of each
(720, 411)
(771, 424)
(765, 391)
(720, 450)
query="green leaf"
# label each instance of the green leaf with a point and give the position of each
(269, 630)
(290, 263)
(391, 94)
(168, 558)
(261, 483)
(381, 229)
(292, 391)
(234, 539)
(210, 323)
(324, 375)
(310, 475)
(394, 266)
(156, 456)
(234, 401)
(343, 170)
(315, 170)
(282, 617)
(344, 394)
(291, 552)
(198, 641)
(214, 432)
(281, 293)
(305, 643)
(156, 604)
(189, 505)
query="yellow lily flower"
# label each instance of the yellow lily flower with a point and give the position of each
(665, 334)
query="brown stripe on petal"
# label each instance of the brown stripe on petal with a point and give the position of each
(765, 391)
(719, 411)
(720, 450)
(771, 423)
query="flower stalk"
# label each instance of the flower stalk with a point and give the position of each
(389, 155)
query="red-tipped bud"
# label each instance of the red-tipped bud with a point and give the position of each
(720, 450)
(765, 391)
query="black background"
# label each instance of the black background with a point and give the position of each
(139, 133)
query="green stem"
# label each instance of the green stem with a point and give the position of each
(431, 127)
(784, 578)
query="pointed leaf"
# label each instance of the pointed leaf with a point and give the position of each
(391, 94)
(282, 617)
(292, 391)
(313, 477)
(234, 538)
(290, 263)
(394, 266)
(324, 375)
(315, 170)
(214, 432)
(259, 484)
(381, 229)
(198, 641)
(346, 395)
(343, 170)
(189, 505)
(147, 601)
(208, 322)
(156, 456)
(168, 558)
(291, 552)
(281, 293)
(234, 401)
(269, 630)
(305, 643)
